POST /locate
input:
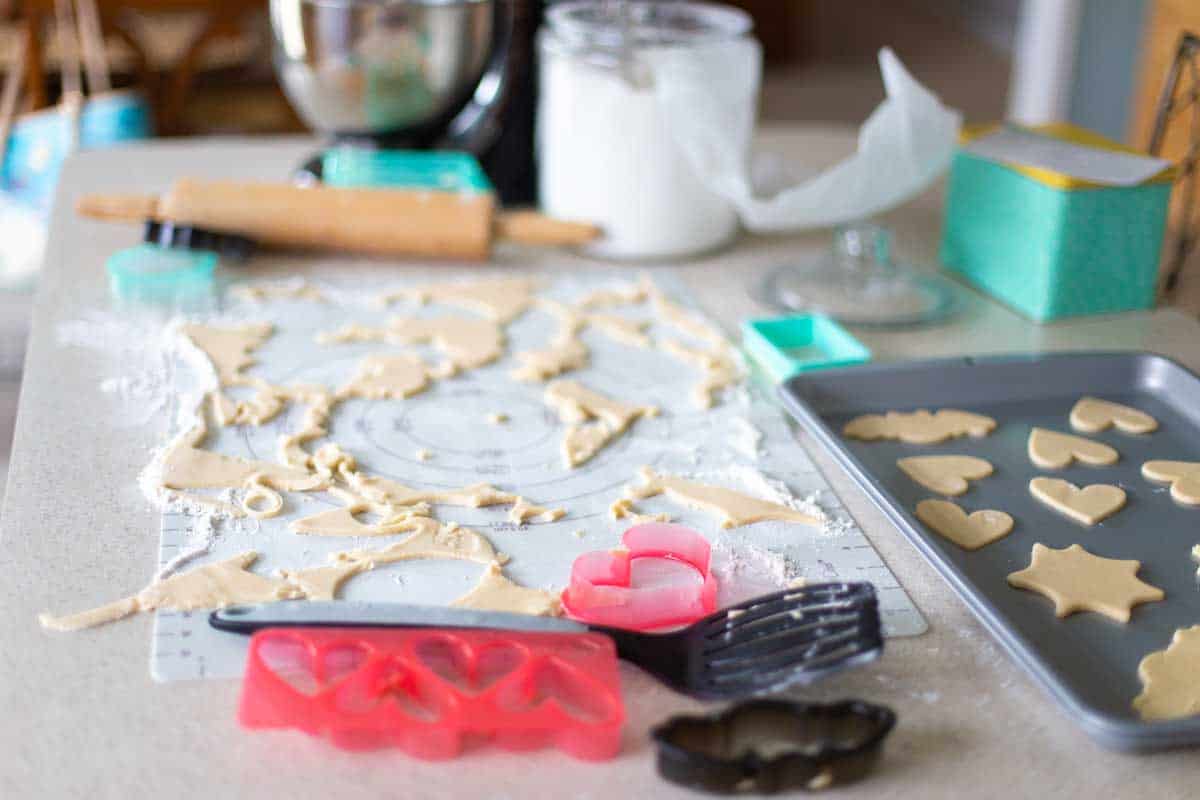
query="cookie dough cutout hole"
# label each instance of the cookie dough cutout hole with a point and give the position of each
(260, 500)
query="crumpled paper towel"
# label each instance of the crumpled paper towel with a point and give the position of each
(710, 96)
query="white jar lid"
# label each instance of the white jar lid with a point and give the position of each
(619, 25)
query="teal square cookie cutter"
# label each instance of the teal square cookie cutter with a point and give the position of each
(787, 346)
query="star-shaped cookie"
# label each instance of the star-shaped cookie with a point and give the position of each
(1077, 580)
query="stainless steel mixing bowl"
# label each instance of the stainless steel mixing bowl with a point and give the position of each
(370, 67)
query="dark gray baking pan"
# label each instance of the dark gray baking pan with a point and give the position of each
(1087, 662)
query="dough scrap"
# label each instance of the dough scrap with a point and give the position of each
(525, 511)
(618, 295)
(1076, 580)
(385, 492)
(321, 583)
(430, 539)
(214, 585)
(500, 299)
(1054, 450)
(320, 403)
(1169, 686)
(623, 509)
(229, 349)
(620, 329)
(734, 508)
(495, 592)
(387, 378)
(467, 343)
(1088, 505)
(968, 531)
(186, 466)
(1092, 415)
(593, 420)
(1184, 477)
(260, 409)
(343, 522)
(262, 292)
(683, 320)
(720, 368)
(565, 352)
(945, 474)
(563, 355)
(920, 426)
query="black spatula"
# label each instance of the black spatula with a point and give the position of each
(756, 647)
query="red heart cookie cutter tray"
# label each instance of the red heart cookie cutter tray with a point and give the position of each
(429, 691)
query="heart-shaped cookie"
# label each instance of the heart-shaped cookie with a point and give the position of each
(1088, 505)
(1092, 415)
(1184, 477)
(945, 474)
(601, 591)
(1054, 450)
(968, 531)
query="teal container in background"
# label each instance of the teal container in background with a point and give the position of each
(1052, 246)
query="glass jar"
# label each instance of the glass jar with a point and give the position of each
(606, 151)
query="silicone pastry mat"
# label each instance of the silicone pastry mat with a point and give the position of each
(1087, 662)
(450, 420)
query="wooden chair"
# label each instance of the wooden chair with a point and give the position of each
(168, 87)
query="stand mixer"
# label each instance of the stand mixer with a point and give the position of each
(414, 74)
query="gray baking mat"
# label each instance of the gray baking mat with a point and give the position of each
(450, 421)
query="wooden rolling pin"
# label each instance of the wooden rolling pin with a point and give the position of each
(393, 222)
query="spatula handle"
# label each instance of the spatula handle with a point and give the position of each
(302, 613)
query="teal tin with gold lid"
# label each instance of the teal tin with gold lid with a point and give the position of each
(1060, 223)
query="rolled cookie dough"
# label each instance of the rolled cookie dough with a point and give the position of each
(495, 592)
(229, 349)
(1077, 580)
(623, 509)
(719, 366)
(1169, 686)
(214, 585)
(968, 531)
(945, 474)
(387, 378)
(1184, 477)
(465, 342)
(1088, 505)
(431, 539)
(1054, 450)
(920, 426)
(1092, 415)
(501, 299)
(734, 508)
(593, 420)
(621, 329)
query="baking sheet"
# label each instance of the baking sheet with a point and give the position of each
(450, 420)
(1087, 662)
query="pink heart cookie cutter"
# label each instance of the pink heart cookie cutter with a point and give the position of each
(600, 591)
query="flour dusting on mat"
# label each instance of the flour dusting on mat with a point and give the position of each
(412, 496)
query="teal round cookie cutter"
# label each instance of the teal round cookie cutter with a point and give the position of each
(153, 273)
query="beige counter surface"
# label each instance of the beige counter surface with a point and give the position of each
(82, 717)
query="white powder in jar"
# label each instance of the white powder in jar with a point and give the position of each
(605, 150)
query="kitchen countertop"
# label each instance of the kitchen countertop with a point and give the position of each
(83, 717)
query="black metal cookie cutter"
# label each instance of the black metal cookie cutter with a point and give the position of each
(185, 237)
(768, 746)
